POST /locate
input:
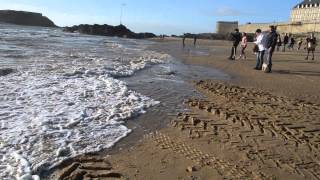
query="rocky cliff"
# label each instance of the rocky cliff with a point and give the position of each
(25, 18)
(107, 30)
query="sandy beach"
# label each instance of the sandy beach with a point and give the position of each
(253, 126)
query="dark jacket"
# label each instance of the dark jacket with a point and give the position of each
(292, 41)
(286, 40)
(236, 38)
(272, 38)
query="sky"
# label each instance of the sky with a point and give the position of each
(157, 16)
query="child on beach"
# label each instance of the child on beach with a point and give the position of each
(244, 44)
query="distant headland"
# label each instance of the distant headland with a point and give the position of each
(107, 30)
(37, 19)
(25, 18)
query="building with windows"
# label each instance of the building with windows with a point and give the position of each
(307, 11)
(305, 18)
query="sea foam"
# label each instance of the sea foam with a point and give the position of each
(52, 112)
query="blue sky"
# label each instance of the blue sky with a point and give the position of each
(157, 16)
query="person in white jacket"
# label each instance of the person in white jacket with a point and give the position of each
(261, 42)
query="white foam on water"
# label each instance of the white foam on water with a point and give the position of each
(49, 114)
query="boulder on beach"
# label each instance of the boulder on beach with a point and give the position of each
(107, 30)
(25, 18)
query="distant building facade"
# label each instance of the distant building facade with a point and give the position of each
(307, 11)
(305, 18)
(226, 27)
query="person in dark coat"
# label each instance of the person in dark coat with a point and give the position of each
(292, 42)
(285, 42)
(279, 42)
(272, 38)
(236, 38)
(311, 45)
(300, 43)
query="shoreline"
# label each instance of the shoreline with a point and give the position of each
(151, 155)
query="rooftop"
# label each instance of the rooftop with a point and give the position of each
(312, 3)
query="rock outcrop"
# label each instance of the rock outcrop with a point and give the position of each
(107, 30)
(25, 18)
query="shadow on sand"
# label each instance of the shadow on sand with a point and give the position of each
(303, 73)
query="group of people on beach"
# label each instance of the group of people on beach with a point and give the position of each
(265, 45)
(290, 42)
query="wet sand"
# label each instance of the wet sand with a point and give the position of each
(254, 126)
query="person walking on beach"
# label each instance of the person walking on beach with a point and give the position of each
(195, 40)
(292, 42)
(244, 44)
(279, 42)
(236, 38)
(261, 44)
(285, 42)
(311, 45)
(271, 45)
(184, 41)
(300, 44)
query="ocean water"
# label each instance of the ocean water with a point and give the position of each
(72, 94)
(64, 98)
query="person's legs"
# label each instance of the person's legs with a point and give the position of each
(308, 54)
(241, 52)
(313, 54)
(260, 56)
(232, 53)
(235, 52)
(258, 60)
(270, 54)
(284, 48)
(244, 52)
(261, 59)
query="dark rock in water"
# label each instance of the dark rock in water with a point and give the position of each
(25, 18)
(6, 71)
(107, 30)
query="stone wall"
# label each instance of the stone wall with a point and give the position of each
(251, 28)
(226, 27)
(294, 28)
